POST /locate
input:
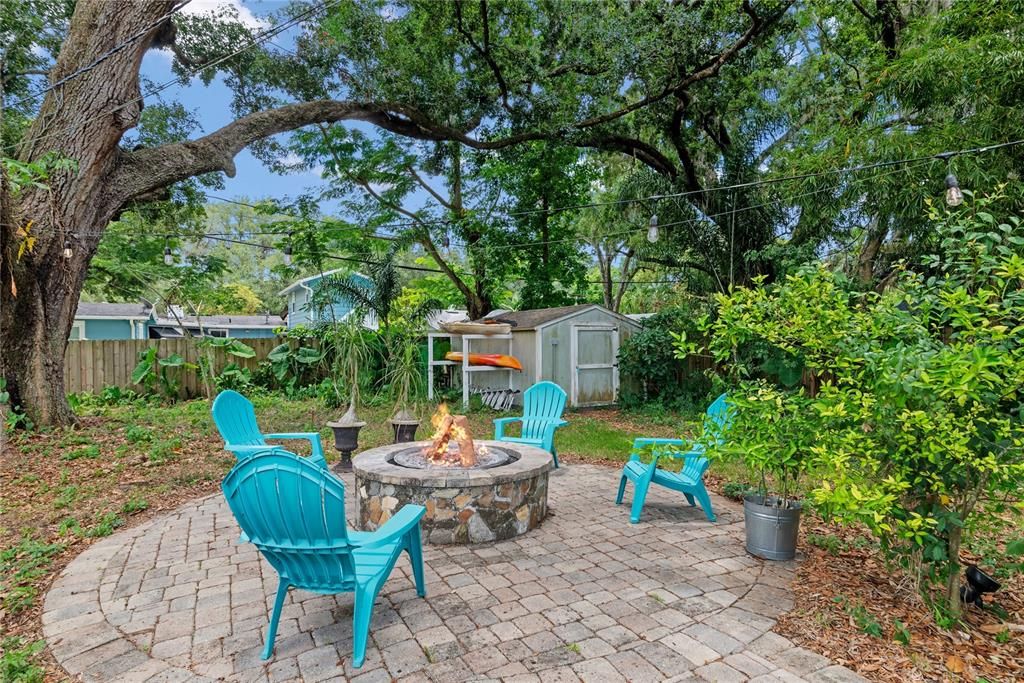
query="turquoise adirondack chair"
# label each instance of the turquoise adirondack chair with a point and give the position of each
(236, 421)
(689, 481)
(294, 513)
(543, 404)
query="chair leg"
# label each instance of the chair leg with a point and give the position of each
(554, 454)
(275, 616)
(364, 597)
(639, 496)
(689, 499)
(705, 503)
(416, 559)
(622, 490)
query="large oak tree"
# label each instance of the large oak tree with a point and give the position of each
(622, 77)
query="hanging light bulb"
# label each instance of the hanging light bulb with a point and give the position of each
(288, 251)
(68, 251)
(445, 242)
(168, 256)
(954, 197)
(652, 230)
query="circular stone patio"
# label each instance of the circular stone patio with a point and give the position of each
(586, 596)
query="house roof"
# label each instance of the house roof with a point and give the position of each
(226, 321)
(107, 310)
(542, 317)
(313, 278)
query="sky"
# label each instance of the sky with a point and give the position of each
(211, 107)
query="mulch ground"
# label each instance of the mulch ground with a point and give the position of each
(842, 592)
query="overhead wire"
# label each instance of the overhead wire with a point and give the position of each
(260, 37)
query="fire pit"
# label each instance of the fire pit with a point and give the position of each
(474, 492)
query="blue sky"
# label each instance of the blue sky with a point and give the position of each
(211, 107)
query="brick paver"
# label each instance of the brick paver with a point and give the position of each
(587, 596)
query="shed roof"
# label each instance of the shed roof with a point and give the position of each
(542, 317)
(107, 310)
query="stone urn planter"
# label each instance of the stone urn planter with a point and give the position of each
(771, 529)
(404, 424)
(346, 438)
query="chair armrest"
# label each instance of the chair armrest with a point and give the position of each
(312, 437)
(399, 525)
(251, 450)
(499, 426)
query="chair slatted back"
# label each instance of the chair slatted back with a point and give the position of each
(543, 402)
(236, 420)
(294, 513)
(717, 419)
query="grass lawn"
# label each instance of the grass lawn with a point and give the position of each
(61, 490)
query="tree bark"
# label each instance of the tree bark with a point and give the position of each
(82, 120)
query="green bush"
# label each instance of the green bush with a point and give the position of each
(912, 412)
(650, 368)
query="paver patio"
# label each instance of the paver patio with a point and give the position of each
(587, 596)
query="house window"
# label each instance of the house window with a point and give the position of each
(77, 331)
(219, 333)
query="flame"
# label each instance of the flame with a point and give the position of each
(448, 434)
(438, 417)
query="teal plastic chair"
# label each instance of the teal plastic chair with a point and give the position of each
(294, 513)
(689, 480)
(543, 405)
(236, 421)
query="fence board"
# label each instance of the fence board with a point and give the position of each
(93, 365)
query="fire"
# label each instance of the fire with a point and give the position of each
(451, 443)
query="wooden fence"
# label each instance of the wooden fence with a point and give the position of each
(93, 365)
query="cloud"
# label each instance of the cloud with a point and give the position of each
(244, 14)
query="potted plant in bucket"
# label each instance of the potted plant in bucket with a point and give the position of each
(350, 349)
(769, 432)
(405, 380)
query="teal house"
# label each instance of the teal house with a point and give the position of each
(299, 294)
(239, 326)
(97, 321)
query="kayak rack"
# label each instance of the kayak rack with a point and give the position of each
(467, 370)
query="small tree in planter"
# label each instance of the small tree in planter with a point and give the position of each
(404, 377)
(916, 416)
(349, 351)
(770, 432)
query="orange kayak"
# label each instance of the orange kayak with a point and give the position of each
(495, 359)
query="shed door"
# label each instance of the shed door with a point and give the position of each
(594, 351)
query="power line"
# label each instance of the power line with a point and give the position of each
(256, 40)
(99, 60)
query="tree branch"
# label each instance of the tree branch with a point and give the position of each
(485, 50)
(426, 186)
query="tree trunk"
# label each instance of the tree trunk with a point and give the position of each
(40, 291)
(953, 577)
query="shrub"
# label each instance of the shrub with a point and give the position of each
(650, 366)
(913, 409)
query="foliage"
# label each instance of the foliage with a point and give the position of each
(17, 663)
(161, 375)
(231, 376)
(20, 566)
(293, 365)
(650, 366)
(913, 415)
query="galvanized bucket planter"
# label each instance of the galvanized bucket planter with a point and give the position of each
(771, 530)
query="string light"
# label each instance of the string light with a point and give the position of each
(954, 196)
(652, 229)
(168, 256)
(288, 251)
(68, 250)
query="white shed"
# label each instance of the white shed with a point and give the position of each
(575, 347)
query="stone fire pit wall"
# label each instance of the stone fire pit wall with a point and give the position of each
(463, 506)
